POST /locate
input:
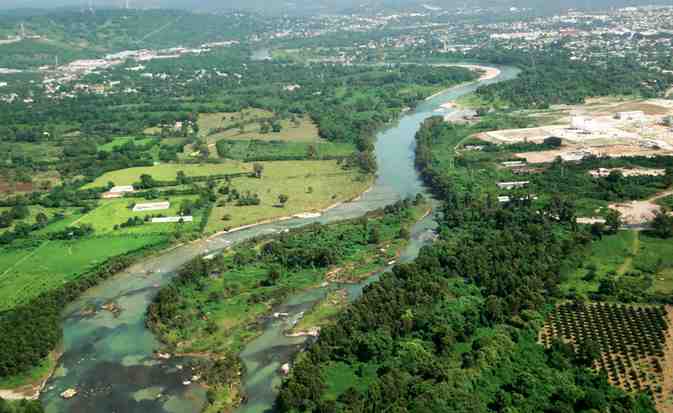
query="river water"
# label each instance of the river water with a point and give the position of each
(109, 358)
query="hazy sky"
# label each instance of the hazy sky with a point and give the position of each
(330, 4)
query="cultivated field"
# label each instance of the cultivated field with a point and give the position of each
(27, 272)
(635, 343)
(168, 172)
(309, 185)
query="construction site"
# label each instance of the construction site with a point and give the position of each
(600, 128)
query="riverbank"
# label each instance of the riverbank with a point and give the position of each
(490, 73)
(29, 386)
(253, 292)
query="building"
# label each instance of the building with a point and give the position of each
(152, 206)
(636, 115)
(513, 164)
(513, 184)
(165, 220)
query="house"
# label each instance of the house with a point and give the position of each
(117, 192)
(513, 184)
(513, 164)
(152, 206)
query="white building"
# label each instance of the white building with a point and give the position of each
(633, 115)
(165, 220)
(152, 206)
(513, 185)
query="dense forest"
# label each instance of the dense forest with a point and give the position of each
(457, 329)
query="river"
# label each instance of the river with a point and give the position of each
(109, 358)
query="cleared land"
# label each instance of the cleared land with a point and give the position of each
(309, 185)
(595, 129)
(27, 272)
(640, 212)
(167, 172)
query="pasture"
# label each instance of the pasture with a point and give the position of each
(167, 172)
(279, 150)
(27, 272)
(630, 254)
(309, 185)
(304, 130)
(123, 140)
(209, 121)
(117, 211)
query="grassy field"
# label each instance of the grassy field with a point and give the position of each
(27, 272)
(121, 141)
(607, 256)
(208, 121)
(34, 210)
(254, 149)
(342, 376)
(329, 182)
(304, 131)
(626, 254)
(116, 211)
(167, 172)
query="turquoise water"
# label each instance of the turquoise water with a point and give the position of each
(109, 358)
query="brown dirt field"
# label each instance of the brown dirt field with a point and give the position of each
(648, 108)
(614, 151)
(6, 187)
(639, 212)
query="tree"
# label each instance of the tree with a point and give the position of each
(662, 225)
(41, 219)
(146, 181)
(597, 230)
(613, 220)
(264, 128)
(311, 152)
(181, 178)
(587, 351)
(258, 169)
(275, 273)
(553, 142)
(374, 235)
(282, 199)
(668, 177)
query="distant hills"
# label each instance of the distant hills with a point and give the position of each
(304, 7)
